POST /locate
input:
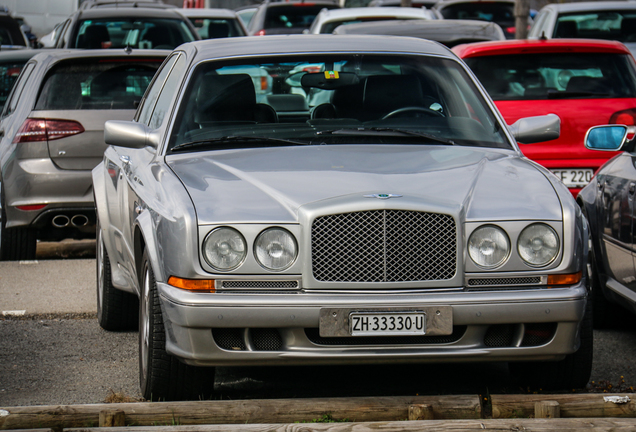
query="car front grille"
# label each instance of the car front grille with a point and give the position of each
(384, 246)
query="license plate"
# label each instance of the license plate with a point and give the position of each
(400, 320)
(387, 324)
(574, 178)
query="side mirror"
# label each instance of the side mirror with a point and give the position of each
(606, 138)
(128, 134)
(530, 130)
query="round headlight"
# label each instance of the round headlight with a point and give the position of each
(224, 248)
(488, 246)
(538, 245)
(275, 249)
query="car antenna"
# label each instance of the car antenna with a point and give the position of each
(543, 37)
(128, 48)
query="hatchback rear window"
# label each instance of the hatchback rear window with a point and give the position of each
(292, 16)
(556, 76)
(96, 84)
(139, 33)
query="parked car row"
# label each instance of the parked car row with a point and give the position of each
(328, 198)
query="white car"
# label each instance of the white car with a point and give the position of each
(609, 20)
(328, 19)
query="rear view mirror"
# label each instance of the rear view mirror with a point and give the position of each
(530, 130)
(329, 80)
(606, 138)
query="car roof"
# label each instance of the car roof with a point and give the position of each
(534, 46)
(416, 28)
(444, 3)
(327, 14)
(125, 3)
(20, 54)
(306, 44)
(592, 6)
(128, 12)
(207, 13)
(49, 55)
(299, 3)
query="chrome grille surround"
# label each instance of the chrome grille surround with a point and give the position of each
(384, 246)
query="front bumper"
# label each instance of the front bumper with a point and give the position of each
(226, 329)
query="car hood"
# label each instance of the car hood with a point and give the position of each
(273, 185)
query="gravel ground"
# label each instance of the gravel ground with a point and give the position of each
(73, 361)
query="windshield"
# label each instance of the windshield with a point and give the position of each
(609, 25)
(335, 99)
(555, 76)
(500, 13)
(142, 33)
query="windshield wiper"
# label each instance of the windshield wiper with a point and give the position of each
(235, 139)
(555, 94)
(385, 131)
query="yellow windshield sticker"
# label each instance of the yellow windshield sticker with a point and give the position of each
(332, 75)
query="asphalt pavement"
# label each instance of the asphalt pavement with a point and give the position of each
(49, 285)
(54, 352)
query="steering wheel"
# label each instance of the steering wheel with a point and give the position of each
(414, 109)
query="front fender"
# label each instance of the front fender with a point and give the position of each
(148, 235)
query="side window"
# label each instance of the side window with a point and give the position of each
(169, 88)
(150, 98)
(14, 97)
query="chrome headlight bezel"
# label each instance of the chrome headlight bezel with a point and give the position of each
(260, 253)
(480, 234)
(238, 239)
(556, 245)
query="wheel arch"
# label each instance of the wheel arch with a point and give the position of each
(145, 239)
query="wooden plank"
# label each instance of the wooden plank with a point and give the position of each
(112, 418)
(421, 412)
(241, 411)
(547, 409)
(571, 405)
(497, 425)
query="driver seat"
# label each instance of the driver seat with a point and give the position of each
(384, 94)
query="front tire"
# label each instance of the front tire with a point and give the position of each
(162, 376)
(116, 310)
(573, 372)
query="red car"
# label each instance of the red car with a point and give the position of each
(585, 82)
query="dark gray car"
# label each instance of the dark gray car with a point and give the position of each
(448, 32)
(142, 28)
(52, 136)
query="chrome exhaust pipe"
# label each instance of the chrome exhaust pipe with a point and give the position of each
(60, 221)
(79, 220)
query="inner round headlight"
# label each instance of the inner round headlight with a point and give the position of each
(224, 248)
(275, 249)
(488, 246)
(538, 245)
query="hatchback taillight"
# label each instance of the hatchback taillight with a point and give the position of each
(628, 118)
(260, 33)
(35, 129)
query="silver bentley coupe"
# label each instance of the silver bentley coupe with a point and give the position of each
(323, 199)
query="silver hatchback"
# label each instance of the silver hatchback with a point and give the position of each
(52, 137)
